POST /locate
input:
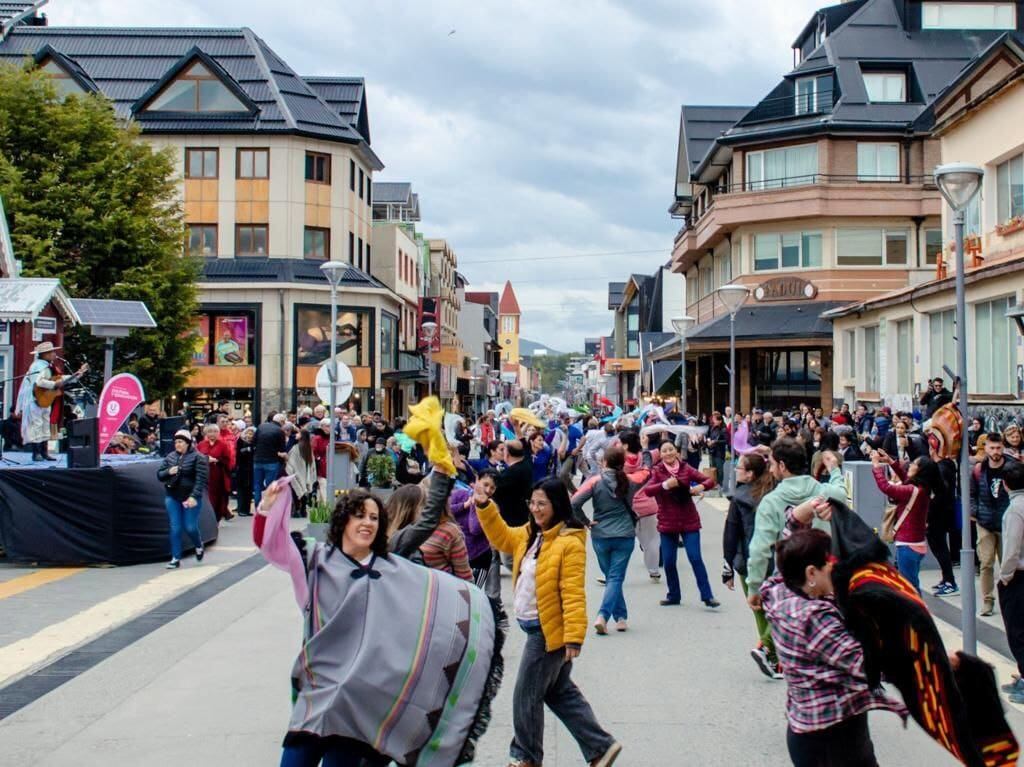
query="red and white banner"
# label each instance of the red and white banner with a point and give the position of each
(121, 395)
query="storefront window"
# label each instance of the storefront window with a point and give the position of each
(313, 336)
(783, 378)
(226, 340)
(995, 351)
(388, 341)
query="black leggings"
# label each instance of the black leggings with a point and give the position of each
(938, 542)
(847, 744)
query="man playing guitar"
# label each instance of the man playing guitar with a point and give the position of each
(35, 398)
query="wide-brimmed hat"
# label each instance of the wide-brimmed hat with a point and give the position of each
(45, 347)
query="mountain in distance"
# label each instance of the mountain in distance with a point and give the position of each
(534, 349)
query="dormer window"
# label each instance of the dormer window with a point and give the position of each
(886, 87)
(196, 89)
(62, 81)
(813, 94)
(943, 15)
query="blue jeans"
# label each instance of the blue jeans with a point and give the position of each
(908, 562)
(669, 555)
(613, 557)
(341, 753)
(263, 474)
(180, 517)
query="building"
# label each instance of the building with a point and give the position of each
(275, 174)
(888, 346)
(443, 291)
(509, 316)
(478, 328)
(818, 196)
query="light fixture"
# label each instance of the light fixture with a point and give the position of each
(333, 272)
(429, 328)
(733, 296)
(682, 324)
(958, 182)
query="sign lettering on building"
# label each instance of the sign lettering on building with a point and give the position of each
(785, 289)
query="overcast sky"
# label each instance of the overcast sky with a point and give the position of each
(534, 131)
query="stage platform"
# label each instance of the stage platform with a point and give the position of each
(113, 514)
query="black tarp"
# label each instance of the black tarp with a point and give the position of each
(110, 515)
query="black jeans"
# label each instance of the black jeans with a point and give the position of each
(847, 744)
(1011, 605)
(938, 542)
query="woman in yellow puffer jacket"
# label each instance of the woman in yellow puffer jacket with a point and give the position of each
(549, 556)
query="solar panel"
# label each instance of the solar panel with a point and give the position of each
(125, 314)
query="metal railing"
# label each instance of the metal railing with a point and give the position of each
(793, 105)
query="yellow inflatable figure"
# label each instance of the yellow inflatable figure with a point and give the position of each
(424, 426)
(526, 416)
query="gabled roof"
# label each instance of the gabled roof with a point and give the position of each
(126, 63)
(22, 299)
(142, 110)
(399, 192)
(508, 303)
(615, 293)
(347, 97)
(699, 127)
(69, 65)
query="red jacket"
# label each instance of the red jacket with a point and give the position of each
(676, 511)
(320, 443)
(915, 526)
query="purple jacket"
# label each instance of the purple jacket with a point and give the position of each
(476, 542)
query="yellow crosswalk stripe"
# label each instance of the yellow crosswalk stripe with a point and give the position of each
(34, 580)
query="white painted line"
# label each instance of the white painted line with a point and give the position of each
(953, 638)
(60, 638)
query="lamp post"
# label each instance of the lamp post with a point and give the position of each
(959, 182)
(429, 329)
(681, 325)
(333, 271)
(733, 297)
(617, 367)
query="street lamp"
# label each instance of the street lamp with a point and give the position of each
(959, 182)
(333, 271)
(733, 297)
(681, 325)
(617, 367)
(429, 330)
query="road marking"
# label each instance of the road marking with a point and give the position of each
(246, 549)
(34, 580)
(31, 652)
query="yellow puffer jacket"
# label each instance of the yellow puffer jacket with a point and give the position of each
(561, 574)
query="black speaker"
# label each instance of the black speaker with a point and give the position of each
(83, 443)
(168, 426)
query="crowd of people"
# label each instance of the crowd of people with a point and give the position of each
(525, 489)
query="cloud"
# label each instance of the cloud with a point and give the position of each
(537, 129)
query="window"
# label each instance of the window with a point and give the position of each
(632, 348)
(813, 94)
(776, 168)
(359, 253)
(781, 377)
(318, 167)
(941, 340)
(251, 240)
(369, 191)
(253, 163)
(1010, 189)
(61, 80)
(351, 248)
(871, 247)
(316, 243)
(313, 335)
(201, 163)
(791, 250)
(972, 217)
(871, 359)
(388, 341)
(508, 324)
(202, 240)
(691, 287)
(724, 264)
(995, 353)
(360, 183)
(939, 15)
(905, 356)
(878, 162)
(707, 280)
(851, 353)
(368, 258)
(196, 90)
(932, 246)
(352, 175)
(886, 87)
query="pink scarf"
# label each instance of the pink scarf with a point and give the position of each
(278, 548)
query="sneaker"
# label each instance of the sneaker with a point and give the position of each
(1017, 685)
(200, 553)
(621, 625)
(609, 756)
(988, 611)
(669, 602)
(777, 672)
(602, 581)
(764, 663)
(174, 564)
(947, 590)
(712, 604)
(655, 577)
(601, 626)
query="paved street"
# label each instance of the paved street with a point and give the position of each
(211, 687)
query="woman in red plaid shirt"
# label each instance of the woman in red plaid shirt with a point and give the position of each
(828, 696)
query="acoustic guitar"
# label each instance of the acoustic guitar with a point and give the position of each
(46, 397)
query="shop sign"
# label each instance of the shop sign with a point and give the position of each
(785, 289)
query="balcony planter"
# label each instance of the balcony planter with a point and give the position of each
(1015, 224)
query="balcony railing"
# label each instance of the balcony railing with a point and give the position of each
(794, 105)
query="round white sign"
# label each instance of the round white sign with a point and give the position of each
(343, 381)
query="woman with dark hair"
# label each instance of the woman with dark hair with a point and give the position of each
(918, 480)
(367, 640)
(823, 663)
(753, 482)
(445, 548)
(671, 487)
(301, 467)
(541, 456)
(243, 464)
(639, 462)
(612, 532)
(549, 560)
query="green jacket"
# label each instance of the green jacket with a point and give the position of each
(770, 519)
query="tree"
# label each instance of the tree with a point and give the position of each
(92, 204)
(553, 369)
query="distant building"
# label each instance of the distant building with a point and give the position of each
(509, 316)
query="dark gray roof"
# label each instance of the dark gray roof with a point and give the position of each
(128, 64)
(699, 126)
(769, 321)
(392, 191)
(279, 270)
(615, 293)
(9, 9)
(347, 97)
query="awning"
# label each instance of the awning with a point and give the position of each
(666, 376)
(769, 322)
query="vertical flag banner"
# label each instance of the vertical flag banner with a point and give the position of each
(121, 395)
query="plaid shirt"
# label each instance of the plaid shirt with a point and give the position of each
(822, 661)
